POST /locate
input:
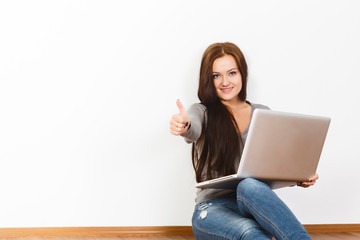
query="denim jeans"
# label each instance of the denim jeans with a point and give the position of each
(253, 212)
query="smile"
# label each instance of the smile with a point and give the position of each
(226, 90)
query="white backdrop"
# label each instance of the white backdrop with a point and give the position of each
(87, 89)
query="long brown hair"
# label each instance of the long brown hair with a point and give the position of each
(219, 143)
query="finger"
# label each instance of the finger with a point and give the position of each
(177, 124)
(303, 185)
(180, 125)
(176, 131)
(309, 183)
(314, 178)
(306, 184)
(179, 119)
(180, 107)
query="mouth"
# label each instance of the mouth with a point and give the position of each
(226, 90)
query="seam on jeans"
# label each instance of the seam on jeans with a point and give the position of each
(210, 233)
(249, 229)
(249, 205)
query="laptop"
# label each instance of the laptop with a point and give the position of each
(281, 149)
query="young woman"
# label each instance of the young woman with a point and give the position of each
(218, 127)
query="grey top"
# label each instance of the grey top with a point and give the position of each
(197, 114)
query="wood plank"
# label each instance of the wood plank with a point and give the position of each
(146, 231)
(314, 236)
(335, 236)
(332, 228)
(96, 231)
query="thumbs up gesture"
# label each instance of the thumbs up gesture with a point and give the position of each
(180, 122)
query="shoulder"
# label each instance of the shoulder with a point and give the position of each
(260, 106)
(197, 107)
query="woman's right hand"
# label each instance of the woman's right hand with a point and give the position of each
(180, 122)
(309, 183)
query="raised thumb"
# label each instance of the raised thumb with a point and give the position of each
(180, 107)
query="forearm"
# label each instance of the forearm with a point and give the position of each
(197, 118)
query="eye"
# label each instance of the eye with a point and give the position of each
(232, 73)
(216, 76)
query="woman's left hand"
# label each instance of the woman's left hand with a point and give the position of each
(309, 183)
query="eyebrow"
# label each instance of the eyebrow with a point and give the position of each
(229, 70)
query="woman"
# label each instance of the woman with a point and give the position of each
(218, 127)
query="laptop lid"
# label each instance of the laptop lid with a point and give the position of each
(283, 146)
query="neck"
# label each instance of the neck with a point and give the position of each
(234, 104)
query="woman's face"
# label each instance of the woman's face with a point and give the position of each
(227, 79)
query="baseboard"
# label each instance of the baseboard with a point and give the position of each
(319, 228)
(95, 231)
(133, 231)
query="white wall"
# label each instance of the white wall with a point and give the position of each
(87, 89)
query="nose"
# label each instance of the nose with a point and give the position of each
(225, 81)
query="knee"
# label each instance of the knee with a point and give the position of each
(252, 230)
(251, 187)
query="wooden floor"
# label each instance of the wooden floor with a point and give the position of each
(314, 236)
(335, 236)
(316, 231)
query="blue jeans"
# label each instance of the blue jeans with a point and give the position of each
(253, 212)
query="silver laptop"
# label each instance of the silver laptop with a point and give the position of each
(281, 149)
